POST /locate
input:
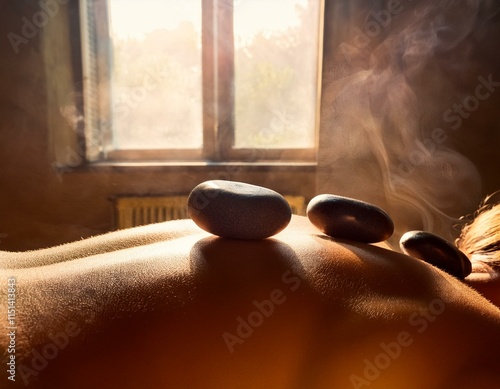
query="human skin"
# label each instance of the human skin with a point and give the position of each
(160, 306)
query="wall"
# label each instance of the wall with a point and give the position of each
(404, 124)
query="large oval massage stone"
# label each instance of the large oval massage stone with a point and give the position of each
(238, 210)
(346, 218)
(437, 251)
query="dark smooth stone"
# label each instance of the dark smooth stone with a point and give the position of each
(346, 218)
(436, 251)
(237, 210)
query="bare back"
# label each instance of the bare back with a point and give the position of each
(170, 306)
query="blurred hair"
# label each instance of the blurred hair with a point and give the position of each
(480, 239)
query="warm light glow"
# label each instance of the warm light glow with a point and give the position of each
(276, 62)
(157, 73)
(273, 16)
(134, 19)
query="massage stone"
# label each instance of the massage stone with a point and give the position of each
(436, 251)
(346, 218)
(238, 210)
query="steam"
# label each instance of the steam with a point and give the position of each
(394, 103)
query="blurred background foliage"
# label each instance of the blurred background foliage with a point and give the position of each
(157, 83)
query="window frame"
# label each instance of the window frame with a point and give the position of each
(218, 104)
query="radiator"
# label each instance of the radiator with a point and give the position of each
(132, 211)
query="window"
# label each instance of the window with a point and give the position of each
(202, 80)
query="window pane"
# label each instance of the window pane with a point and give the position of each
(156, 77)
(276, 70)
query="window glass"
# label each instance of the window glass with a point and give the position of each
(276, 71)
(156, 74)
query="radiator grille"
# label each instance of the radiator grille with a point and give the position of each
(132, 211)
(137, 211)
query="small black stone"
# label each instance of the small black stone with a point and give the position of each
(238, 210)
(436, 251)
(346, 218)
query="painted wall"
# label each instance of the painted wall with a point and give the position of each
(411, 91)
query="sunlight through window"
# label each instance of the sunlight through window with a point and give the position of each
(156, 78)
(276, 72)
(206, 79)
